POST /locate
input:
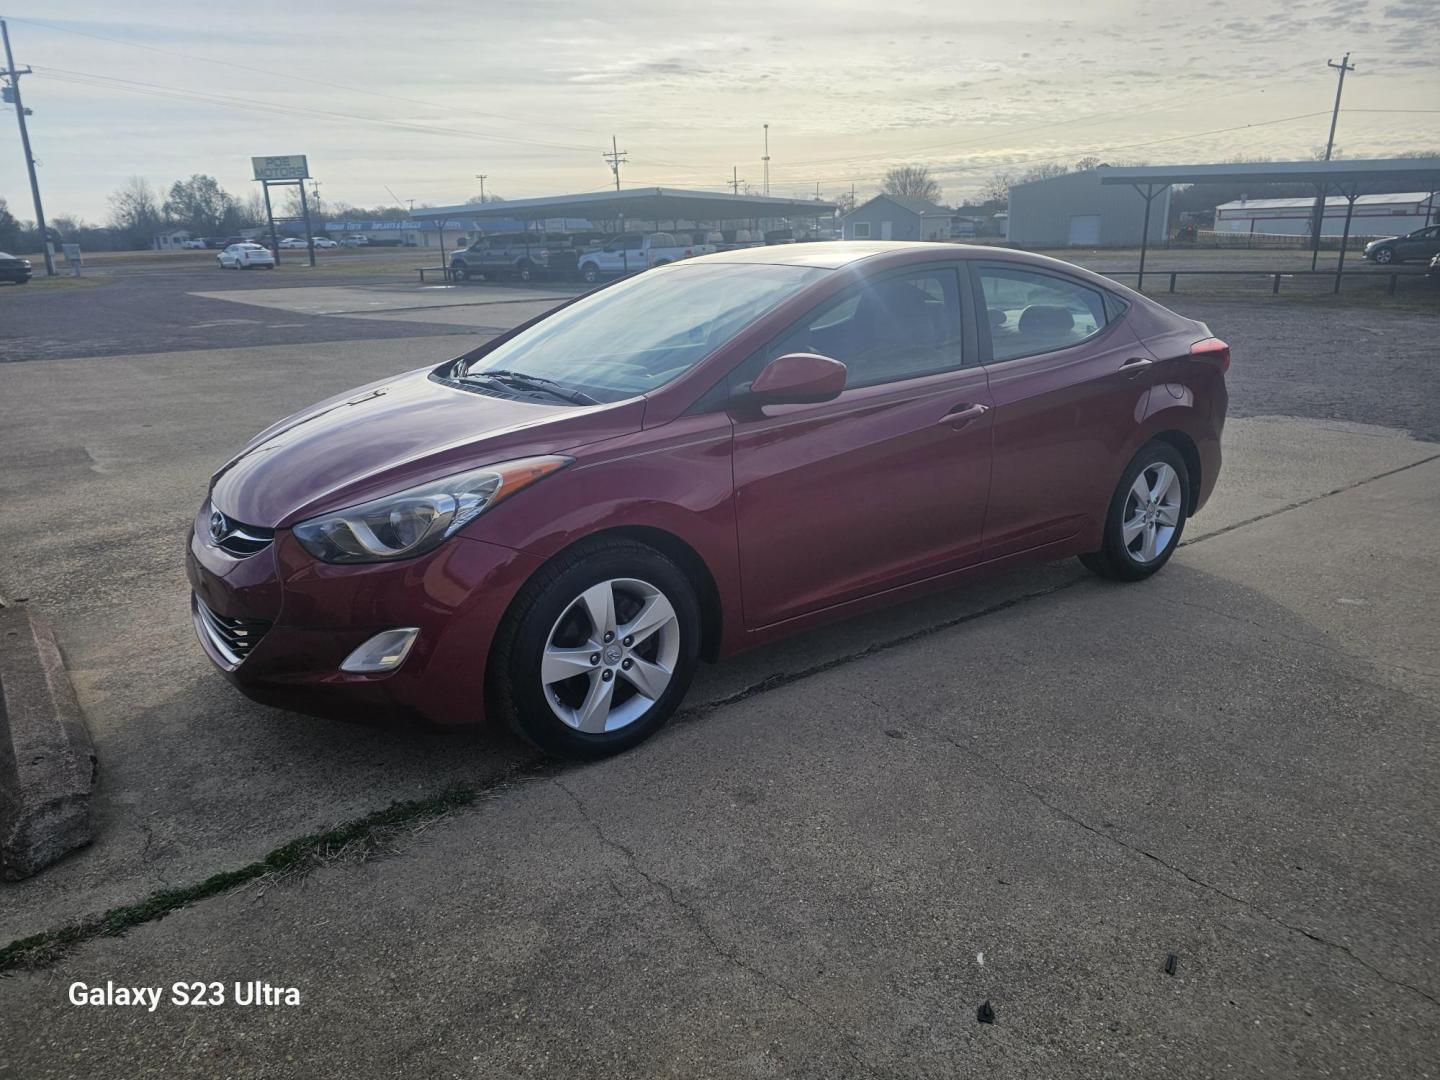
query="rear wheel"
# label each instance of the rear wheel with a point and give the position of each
(597, 650)
(1146, 516)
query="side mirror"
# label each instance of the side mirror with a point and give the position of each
(798, 379)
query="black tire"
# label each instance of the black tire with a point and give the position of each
(1115, 559)
(515, 692)
(589, 273)
(460, 272)
(524, 271)
(1385, 255)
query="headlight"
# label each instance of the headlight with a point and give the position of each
(415, 521)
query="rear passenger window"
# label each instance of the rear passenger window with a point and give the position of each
(1034, 313)
(897, 327)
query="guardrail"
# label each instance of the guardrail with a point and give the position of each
(1275, 275)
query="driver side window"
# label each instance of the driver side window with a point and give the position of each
(897, 327)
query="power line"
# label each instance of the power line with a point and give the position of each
(285, 74)
(87, 78)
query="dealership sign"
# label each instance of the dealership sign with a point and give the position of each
(285, 167)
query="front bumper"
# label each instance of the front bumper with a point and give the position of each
(307, 617)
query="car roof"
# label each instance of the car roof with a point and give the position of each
(830, 254)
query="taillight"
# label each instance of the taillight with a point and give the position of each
(1213, 349)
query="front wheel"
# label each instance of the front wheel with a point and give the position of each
(597, 651)
(524, 271)
(1385, 255)
(460, 273)
(590, 273)
(1146, 516)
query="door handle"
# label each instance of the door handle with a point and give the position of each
(961, 415)
(1135, 365)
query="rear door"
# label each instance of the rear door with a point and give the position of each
(1069, 381)
(887, 483)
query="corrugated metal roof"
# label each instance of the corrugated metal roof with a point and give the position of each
(1406, 198)
(1374, 173)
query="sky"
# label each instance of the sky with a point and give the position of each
(398, 102)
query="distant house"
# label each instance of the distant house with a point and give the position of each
(169, 239)
(897, 217)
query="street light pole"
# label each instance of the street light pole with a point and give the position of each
(14, 77)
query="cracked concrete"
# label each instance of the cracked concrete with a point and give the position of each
(1232, 763)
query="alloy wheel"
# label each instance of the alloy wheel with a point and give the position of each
(1151, 513)
(610, 655)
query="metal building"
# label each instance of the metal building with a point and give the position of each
(1075, 210)
(1375, 215)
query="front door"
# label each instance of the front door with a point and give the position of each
(1069, 382)
(887, 230)
(887, 483)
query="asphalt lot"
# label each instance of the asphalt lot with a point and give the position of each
(1029, 791)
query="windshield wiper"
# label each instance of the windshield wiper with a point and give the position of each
(534, 382)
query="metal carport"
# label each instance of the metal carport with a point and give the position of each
(1350, 179)
(635, 204)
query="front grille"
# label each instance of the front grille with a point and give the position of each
(233, 639)
(238, 538)
(247, 539)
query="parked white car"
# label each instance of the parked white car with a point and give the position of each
(198, 242)
(244, 256)
(631, 252)
(292, 242)
(324, 242)
(356, 241)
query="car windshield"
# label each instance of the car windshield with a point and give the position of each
(639, 334)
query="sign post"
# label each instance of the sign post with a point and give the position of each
(283, 171)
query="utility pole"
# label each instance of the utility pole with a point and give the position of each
(766, 160)
(13, 75)
(1341, 67)
(481, 177)
(1319, 217)
(616, 157)
(735, 180)
(817, 190)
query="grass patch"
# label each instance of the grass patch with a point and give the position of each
(354, 841)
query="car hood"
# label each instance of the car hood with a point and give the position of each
(1382, 240)
(391, 435)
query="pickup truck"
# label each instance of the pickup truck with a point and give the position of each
(632, 252)
(525, 256)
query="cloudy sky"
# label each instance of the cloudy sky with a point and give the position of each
(415, 99)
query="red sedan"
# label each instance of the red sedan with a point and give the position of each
(554, 528)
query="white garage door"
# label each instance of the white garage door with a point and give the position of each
(1085, 229)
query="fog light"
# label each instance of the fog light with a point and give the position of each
(383, 652)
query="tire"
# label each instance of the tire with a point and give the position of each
(1160, 522)
(552, 615)
(524, 272)
(460, 273)
(1384, 256)
(589, 273)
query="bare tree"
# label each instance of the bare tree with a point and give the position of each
(1086, 163)
(482, 200)
(844, 203)
(912, 180)
(135, 212)
(996, 190)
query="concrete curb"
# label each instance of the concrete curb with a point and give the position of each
(47, 762)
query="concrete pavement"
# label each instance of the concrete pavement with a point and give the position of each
(1033, 808)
